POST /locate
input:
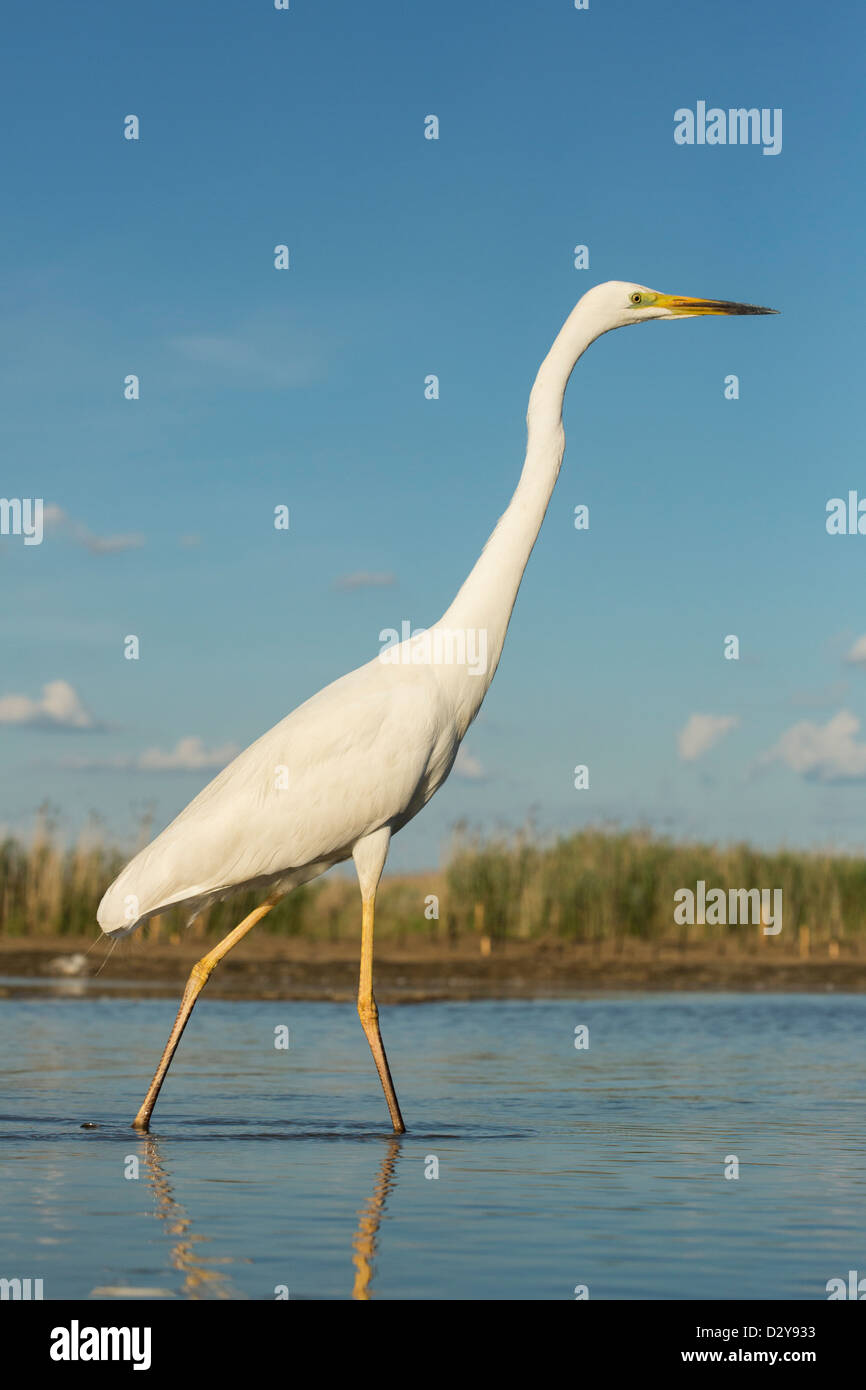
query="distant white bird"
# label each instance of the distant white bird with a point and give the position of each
(75, 964)
(350, 767)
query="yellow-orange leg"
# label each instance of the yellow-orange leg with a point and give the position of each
(369, 1014)
(199, 976)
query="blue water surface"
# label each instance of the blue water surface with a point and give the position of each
(530, 1167)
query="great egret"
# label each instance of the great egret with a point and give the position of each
(349, 768)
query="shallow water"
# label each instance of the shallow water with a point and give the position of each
(557, 1167)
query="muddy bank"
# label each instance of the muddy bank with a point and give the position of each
(287, 968)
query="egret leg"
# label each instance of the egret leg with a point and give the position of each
(369, 1013)
(199, 976)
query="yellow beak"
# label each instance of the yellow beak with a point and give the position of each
(683, 307)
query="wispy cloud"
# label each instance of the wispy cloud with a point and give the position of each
(467, 766)
(702, 732)
(97, 545)
(268, 352)
(365, 579)
(58, 707)
(188, 755)
(822, 752)
(821, 696)
(856, 656)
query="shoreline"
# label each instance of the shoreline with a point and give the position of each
(312, 969)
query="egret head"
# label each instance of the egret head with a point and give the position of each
(618, 302)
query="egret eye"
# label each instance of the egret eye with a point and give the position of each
(636, 298)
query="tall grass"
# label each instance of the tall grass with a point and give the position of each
(592, 886)
(606, 885)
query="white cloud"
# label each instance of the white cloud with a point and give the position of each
(702, 732)
(365, 579)
(188, 755)
(468, 767)
(57, 708)
(857, 654)
(822, 752)
(111, 545)
(81, 535)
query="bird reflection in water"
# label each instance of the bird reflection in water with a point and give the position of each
(201, 1278)
(370, 1216)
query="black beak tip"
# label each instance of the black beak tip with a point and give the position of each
(751, 309)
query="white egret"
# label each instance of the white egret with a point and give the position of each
(363, 756)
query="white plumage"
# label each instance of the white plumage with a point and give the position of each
(346, 770)
(368, 750)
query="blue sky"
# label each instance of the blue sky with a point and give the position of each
(306, 387)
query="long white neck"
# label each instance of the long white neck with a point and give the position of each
(486, 599)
